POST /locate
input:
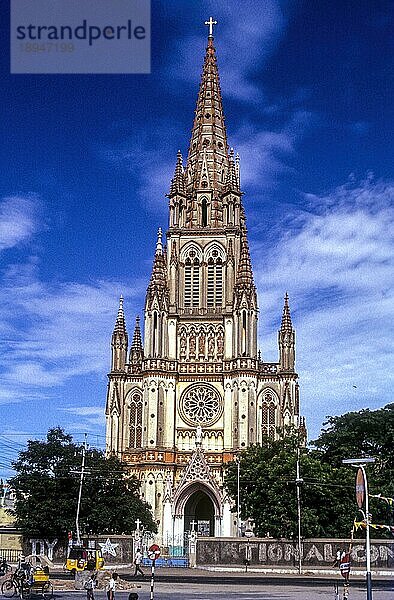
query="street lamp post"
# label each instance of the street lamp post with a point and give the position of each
(362, 491)
(84, 447)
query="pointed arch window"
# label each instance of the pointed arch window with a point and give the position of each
(192, 280)
(204, 212)
(135, 424)
(243, 333)
(180, 219)
(269, 415)
(155, 334)
(215, 280)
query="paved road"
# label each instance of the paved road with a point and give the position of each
(174, 591)
(251, 579)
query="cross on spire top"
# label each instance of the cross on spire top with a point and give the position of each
(210, 24)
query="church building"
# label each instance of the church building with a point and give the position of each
(193, 391)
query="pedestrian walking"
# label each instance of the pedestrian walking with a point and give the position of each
(337, 559)
(90, 584)
(137, 563)
(111, 586)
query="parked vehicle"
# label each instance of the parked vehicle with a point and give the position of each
(30, 576)
(81, 559)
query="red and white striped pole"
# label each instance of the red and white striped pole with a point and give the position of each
(153, 553)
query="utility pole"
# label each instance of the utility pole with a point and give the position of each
(84, 447)
(299, 482)
(238, 497)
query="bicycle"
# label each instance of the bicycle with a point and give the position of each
(24, 589)
(16, 585)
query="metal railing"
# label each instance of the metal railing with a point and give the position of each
(10, 554)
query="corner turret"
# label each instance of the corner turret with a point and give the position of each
(286, 339)
(156, 305)
(119, 341)
(136, 350)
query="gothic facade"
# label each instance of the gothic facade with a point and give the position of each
(185, 400)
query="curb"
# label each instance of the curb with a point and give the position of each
(294, 572)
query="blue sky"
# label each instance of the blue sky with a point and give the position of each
(86, 162)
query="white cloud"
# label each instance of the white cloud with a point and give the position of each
(18, 220)
(52, 332)
(335, 259)
(84, 411)
(90, 417)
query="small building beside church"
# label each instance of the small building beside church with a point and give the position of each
(193, 391)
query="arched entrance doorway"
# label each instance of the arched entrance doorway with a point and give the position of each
(200, 509)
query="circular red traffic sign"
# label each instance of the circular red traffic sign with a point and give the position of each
(360, 488)
(154, 552)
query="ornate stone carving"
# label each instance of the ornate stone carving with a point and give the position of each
(201, 404)
(192, 346)
(201, 344)
(220, 344)
(183, 346)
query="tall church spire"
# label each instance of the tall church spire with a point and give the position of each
(208, 145)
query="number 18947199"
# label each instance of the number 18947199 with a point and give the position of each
(47, 47)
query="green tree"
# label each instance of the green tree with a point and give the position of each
(364, 433)
(46, 490)
(268, 472)
(268, 490)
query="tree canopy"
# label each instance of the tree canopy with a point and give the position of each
(46, 491)
(268, 491)
(358, 434)
(363, 433)
(268, 474)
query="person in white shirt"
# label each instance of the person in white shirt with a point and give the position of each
(111, 586)
(90, 585)
(137, 563)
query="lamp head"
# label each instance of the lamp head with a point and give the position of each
(358, 461)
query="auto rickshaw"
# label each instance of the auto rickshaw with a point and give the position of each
(81, 559)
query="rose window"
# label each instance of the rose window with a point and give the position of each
(201, 405)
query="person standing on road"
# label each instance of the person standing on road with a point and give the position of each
(337, 559)
(111, 586)
(90, 585)
(137, 563)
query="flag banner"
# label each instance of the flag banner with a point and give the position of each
(390, 501)
(362, 525)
